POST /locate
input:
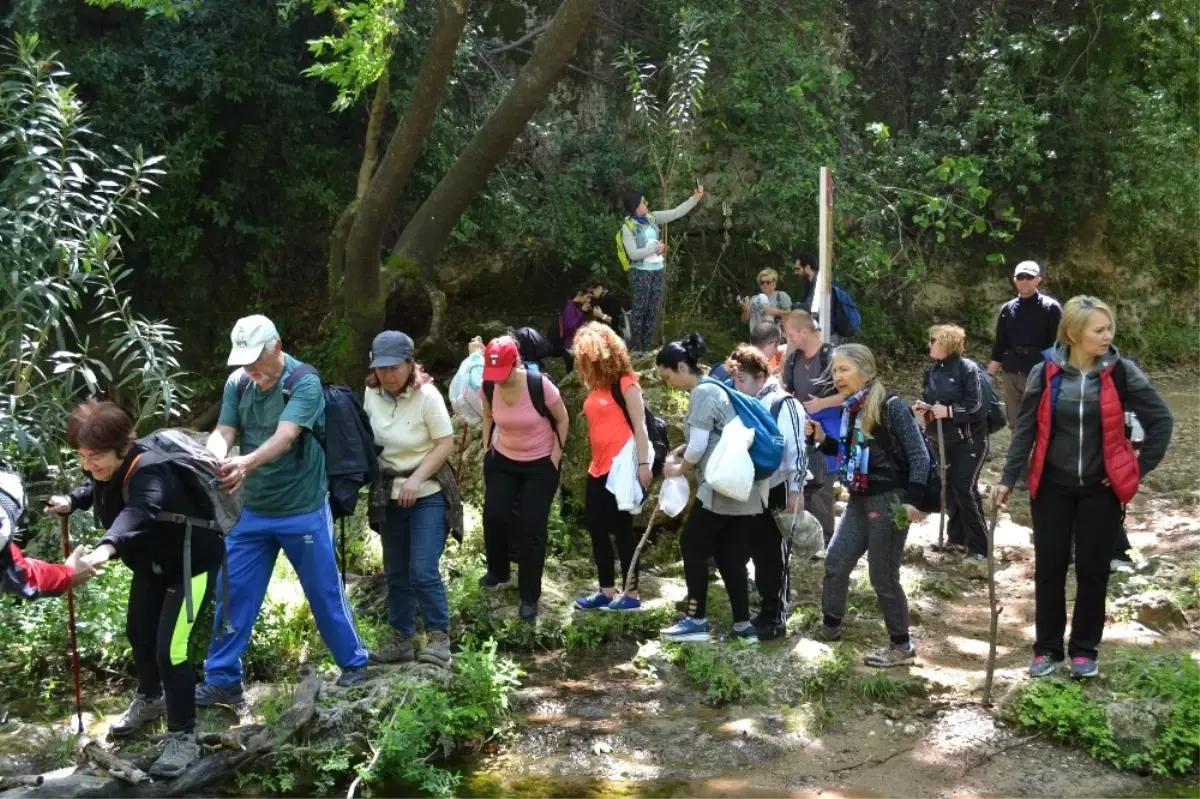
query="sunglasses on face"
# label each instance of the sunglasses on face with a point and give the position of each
(766, 282)
(1026, 277)
(932, 341)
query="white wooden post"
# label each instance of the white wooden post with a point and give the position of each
(824, 292)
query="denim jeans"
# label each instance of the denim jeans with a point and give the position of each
(413, 540)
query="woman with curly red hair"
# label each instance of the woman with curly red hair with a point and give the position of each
(602, 361)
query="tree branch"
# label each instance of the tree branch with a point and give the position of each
(513, 45)
(374, 125)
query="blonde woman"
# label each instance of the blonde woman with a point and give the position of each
(951, 406)
(884, 464)
(1071, 434)
(769, 305)
(604, 367)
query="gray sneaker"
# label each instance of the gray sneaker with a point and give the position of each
(398, 649)
(140, 712)
(1084, 668)
(437, 651)
(892, 656)
(352, 676)
(1044, 666)
(179, 750)
(208, 695)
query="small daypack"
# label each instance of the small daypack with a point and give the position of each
(847, 319)
(931, 500)
(622, 256)
(766, 451)
(351, 460)
(996, 418)
(537, 397)
(196, 468)
(656, 429)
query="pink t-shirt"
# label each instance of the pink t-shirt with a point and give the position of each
(523, 434)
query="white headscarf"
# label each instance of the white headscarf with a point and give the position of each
(12, 503)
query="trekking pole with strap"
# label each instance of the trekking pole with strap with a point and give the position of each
(993, 627)
(942, 467)
(64, 527)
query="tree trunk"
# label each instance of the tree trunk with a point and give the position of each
(426, 233)
(362, 295)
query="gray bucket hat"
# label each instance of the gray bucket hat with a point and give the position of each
(391, 348)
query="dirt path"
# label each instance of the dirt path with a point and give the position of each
(594, 726)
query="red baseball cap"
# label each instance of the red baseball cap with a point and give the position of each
(499, 358)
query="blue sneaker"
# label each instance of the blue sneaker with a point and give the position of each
(208, 695)
(623, 602)
(596, 601)
(686, 629)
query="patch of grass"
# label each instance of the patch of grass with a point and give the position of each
(1078, 714)
(713, 670)
(881, 687)
(833, 674)
(941, 586)
(590, 630)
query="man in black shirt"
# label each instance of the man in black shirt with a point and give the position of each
(1028, 324)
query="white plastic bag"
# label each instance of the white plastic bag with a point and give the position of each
(464, 389)
(673, 496)
(730, 471)
(623, 479)
(802, 530)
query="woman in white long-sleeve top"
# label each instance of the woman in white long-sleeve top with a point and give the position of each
(643, 244)
(768, 548)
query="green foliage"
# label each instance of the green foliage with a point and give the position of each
(591, 630)
(431, 720)
(714, 671)
(1075, 713)
(66, 207)
(360, 49)
(881, 687)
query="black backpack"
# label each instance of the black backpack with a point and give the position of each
(351, 461)
(931, 501)
(656, 429)
(996, 418)
(537, 396)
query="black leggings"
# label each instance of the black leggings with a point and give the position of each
(965, 525)
(770, 550)
(723, 538)
(530, 486)
(605, 519)
(159, 633)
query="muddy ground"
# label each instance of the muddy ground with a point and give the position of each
(596, 724)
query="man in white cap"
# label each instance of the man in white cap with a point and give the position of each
(286, 506)
(1027, 326)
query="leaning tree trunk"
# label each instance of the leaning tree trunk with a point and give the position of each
(358, 246)
(426, 233)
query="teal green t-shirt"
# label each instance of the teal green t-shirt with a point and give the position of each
(290, 485)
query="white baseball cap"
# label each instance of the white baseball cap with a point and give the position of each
(1028, 268)
(250, 335)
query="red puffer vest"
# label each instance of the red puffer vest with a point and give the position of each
(1120, 461)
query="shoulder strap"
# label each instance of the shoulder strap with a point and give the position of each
(619, 398)
(128, 474)
(489, 390)
(777, 405)
(299, 373)
(1121, 381)
(242, 384)
(537, 392)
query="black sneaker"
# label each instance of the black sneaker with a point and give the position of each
(490, 580)
(747, 634)
(770, 631)
(352, 676)
(529, 611)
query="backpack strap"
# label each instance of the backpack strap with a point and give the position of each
(619, 398)
(537, 396)
(789, 371)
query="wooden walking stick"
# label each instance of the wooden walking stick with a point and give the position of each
(64, 528)
(994, 626)
(638, 552)
(941, 545)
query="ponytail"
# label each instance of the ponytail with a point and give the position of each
(689, 351)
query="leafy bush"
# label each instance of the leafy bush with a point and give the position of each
(1073, 712)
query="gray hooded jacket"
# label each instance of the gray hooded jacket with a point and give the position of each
(1076, 454)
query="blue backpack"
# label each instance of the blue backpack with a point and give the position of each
(766, 451)
(847, 320)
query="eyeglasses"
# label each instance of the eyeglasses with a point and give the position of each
(767, 282)
(1026, 277)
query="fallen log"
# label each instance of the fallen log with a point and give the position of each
(203, 775)
(121, 769)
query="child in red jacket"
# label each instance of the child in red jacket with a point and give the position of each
(26, 577)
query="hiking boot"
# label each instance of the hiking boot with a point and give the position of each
(1084, 668)
(893, 656)
(437, 651)
(830, 634)
(490, 580)
(179, 750)
(208, 695)
(745, 632)
(686, 629)
(352, 676)
(623, 602)
(397, 649)
(529, 611)
(141, 711)
(595, 601)
(1044, 666)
